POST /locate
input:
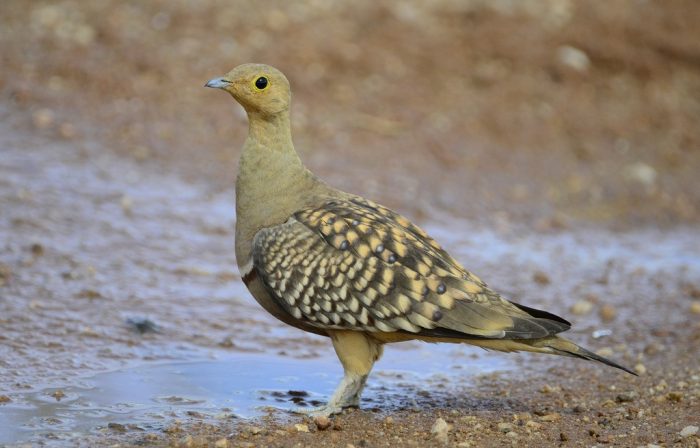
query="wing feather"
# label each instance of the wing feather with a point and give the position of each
(353, 264)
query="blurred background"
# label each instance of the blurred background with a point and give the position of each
(539, 111)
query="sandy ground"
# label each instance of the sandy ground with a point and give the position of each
(552, 146)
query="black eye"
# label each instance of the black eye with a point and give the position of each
(261, 82)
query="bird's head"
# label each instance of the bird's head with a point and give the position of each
(259, 88)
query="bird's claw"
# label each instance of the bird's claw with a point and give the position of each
(319, 411)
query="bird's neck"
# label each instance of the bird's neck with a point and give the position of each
(272, 181)
(271, 131)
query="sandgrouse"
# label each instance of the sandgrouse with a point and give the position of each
(342, 266)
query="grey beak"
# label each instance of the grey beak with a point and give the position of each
(217, 83)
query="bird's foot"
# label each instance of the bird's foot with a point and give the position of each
(325, 410)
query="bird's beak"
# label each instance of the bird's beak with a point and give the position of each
(218, 83)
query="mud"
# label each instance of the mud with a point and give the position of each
(566, 185)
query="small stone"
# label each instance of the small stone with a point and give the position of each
(389, 421)
(563, 437)
(640, 172)
(58, 395)
(43, 118)
(553, 417)
(573, 58)
(533, 424)
(676, 397)
(512, 434)
(116, 427)
(640, 368)
(653, 348)
(626, 397)
(37, 249)
(689, 430)
(607, 313)
(547, 389)
(5, 399)
(301, 427)
(603, 438)
(440, 429)
(255, 430)
(581, 307)
(221, 443)
(322, 422)
(541, 278)
(695, 307)
(505, 427)
(67, 131)
(127, 204)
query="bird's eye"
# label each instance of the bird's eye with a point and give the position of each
(261, 82)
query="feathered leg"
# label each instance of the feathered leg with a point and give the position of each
(358, 353)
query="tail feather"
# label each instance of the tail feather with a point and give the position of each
(565, 347)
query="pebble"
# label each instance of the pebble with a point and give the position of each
(626, 397)
(553, 417)
(440, 429)
(221, 443)
(640, 368)
(607, 313)
(574, 58)
(541, 278)
(695, 307)
(505, 427)
(674, 396)
(547, 389)
(512, 434)
(533, 424)
(389, 421)
(640, 172)
(5, 399)
(689, 430)
(301, 427)
(43, 118)
(581, 307)
(117, 427)
(67, 131)
(322, 422)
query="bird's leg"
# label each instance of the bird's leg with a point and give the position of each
(358, 353)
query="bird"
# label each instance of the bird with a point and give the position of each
(338, 265)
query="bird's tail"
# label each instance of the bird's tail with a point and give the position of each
(561, 346)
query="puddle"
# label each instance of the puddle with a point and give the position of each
(149, 397)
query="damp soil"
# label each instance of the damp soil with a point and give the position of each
(567, 182)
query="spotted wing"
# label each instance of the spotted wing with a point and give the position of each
(353, 264)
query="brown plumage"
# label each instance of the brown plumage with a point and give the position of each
(342, 266)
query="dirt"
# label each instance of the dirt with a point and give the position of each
(552, 146)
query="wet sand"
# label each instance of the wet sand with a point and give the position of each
(123, 320)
